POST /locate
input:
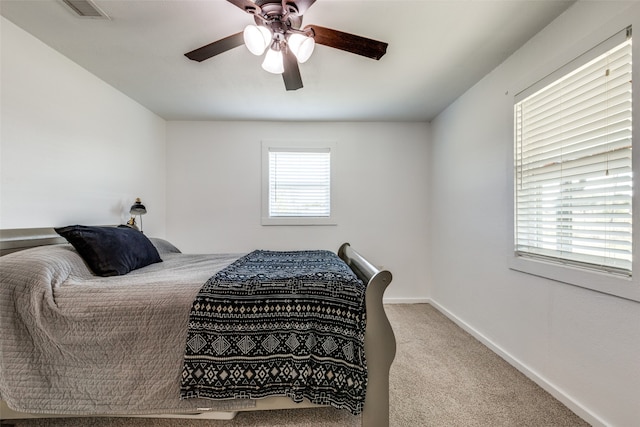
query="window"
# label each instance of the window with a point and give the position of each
(573, 163)
(297, 180)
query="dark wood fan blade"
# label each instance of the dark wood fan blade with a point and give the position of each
(215, 48)
(246, 5)
(291, 75)
(349, 42)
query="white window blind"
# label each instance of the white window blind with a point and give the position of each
(573, 176)
(299, 183)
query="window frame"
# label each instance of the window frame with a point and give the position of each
(307, 146)
(605, 282)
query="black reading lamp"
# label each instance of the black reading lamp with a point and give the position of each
(136, 209)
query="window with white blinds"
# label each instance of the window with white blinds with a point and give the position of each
(573, 174)
(297, 184)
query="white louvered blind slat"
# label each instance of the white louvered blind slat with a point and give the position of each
(573, 175)
(299, 183)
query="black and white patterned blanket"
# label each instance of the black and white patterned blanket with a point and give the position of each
(279, 324)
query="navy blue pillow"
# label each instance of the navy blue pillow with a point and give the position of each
(111, 251)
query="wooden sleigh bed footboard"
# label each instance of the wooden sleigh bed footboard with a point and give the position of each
(379, 340)
(379, 344)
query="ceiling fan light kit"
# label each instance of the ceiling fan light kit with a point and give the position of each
(278, 29)
(256, 38)
(301, 46)
(273, 60)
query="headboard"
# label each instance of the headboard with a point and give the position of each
(17, 239)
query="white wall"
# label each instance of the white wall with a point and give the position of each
(214, 192)
(411, 197)
(73, 149)
(581, 345)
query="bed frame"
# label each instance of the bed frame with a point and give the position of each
(380, 344)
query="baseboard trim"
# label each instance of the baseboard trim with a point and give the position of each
(546, 385)
(406, 301)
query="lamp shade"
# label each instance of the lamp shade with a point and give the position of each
(273, 62)
(256, 38)
(138, 208)
(301, 46)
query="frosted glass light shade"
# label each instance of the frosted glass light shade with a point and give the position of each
(273, 62)
(301, 46)
(256, 38)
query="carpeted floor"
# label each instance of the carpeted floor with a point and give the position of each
(441, 376)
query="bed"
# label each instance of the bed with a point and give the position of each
(78, 344)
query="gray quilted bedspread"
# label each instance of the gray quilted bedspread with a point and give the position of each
(75, 343)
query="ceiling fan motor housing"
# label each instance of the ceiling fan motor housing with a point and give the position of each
(274, 16)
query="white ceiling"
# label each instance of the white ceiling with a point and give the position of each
(437, 50)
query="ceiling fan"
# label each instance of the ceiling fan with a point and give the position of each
(278, 31)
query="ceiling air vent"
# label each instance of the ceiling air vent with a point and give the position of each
(85, 9)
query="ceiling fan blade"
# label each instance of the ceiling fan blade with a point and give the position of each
(215, 48)
(246, 5)
(291, 75)
(349, 42)
(302, 5)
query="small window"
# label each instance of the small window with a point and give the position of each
(573, 163)
(297, 180)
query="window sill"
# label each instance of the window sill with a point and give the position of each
(298, 221)
(619, 286)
